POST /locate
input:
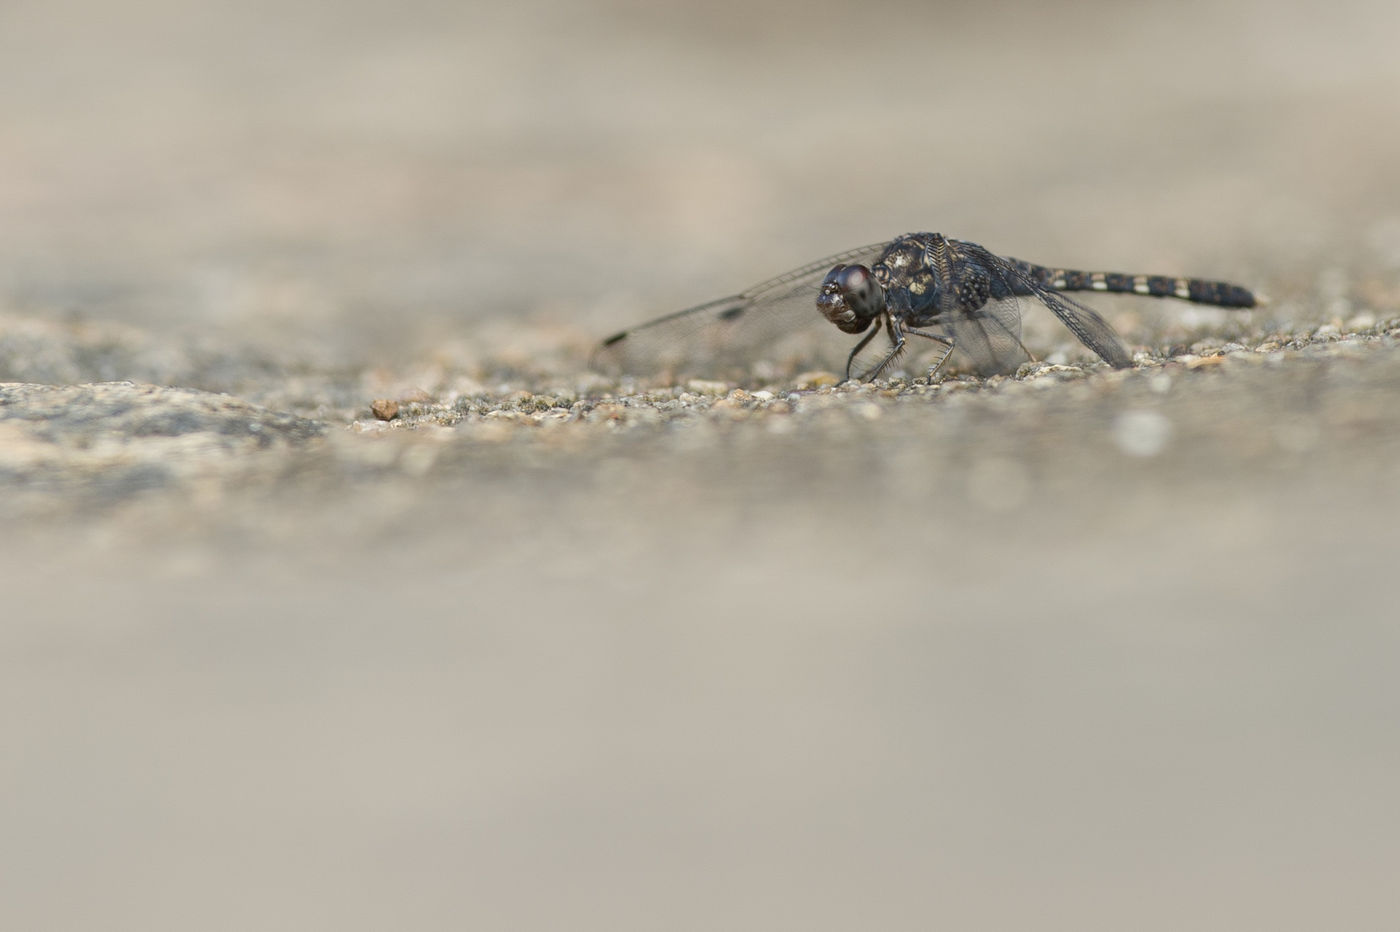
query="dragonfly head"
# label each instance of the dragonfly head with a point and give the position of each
(851, 298)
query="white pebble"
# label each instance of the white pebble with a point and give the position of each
(1142, 433)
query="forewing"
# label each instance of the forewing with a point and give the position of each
(765, 321)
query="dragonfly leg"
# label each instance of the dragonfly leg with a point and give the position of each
(896, 334)
(855, 350)
(937, 338)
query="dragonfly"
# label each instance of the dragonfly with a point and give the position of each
(922, 288)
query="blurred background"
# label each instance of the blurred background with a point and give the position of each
(361, 172)
(984, 663)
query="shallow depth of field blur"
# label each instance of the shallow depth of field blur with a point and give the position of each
(994, 661)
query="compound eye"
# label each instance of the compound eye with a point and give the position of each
(853, 280)
(850, 297)
(861, 290)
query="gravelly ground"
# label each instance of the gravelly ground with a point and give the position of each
(340, 594)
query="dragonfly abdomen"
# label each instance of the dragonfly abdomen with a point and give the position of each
(1196, 290)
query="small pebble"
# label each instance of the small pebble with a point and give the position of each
(815, 379)
(1205, 362)
(1142, 433)
(868, 410)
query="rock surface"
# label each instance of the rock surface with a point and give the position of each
(66, 448)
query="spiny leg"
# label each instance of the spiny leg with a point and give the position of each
(855, 351)
(896, 347)
(937, 338)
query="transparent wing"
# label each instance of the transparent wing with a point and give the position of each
(988, 340)
(990, 337)
(1083, 321)
(776, 319)
(1086, 324)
